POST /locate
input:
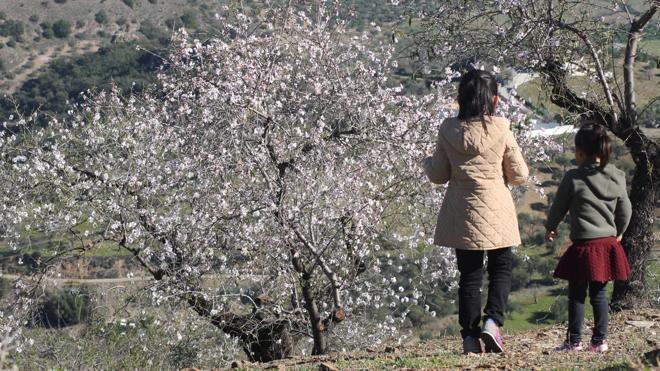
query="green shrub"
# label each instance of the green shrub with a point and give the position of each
(189, 19)
(3, 15)
(34, 18)
(101, 17)
(60, 1)
(11, 43)
(129, 3)
(12, 28)
(62, 29)
(5, 287)
(559, 309)
(65, 308)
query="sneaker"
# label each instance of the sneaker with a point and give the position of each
(471, 345)
(568, 346)
(599, 347)
(492, 337)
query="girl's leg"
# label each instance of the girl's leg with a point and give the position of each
(601, 310)
(470, 265)
(577, 291)
(499, 284)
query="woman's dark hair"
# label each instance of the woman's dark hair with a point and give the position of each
(592, 139)
(475, 95)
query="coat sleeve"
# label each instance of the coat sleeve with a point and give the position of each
(623, 210)
(561, 203)
(437, 167)
(513, 164)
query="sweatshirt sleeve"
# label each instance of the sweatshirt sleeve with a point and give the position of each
(437, 167)
(623, 210)
(561, 203)
(513, 164)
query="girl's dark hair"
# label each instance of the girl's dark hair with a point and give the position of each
(592, 139)
(475, 95)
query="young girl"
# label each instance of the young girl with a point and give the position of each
(595, 195)
(478, 155)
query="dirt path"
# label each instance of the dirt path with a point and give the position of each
(43, 59)
(88, 280)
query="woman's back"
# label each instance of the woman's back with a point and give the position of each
(476, 152)
(478, 158)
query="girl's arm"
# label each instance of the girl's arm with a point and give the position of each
(437, 167)
(561, 203)
(513, 164)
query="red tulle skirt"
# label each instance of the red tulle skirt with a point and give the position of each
(599, 259)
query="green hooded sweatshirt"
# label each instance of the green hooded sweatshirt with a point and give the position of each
(596, 199)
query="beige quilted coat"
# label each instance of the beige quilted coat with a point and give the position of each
(478, 159)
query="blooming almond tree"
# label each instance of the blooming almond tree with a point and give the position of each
(561, 40)
(256, 183)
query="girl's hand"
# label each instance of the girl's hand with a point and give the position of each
(619, 238)
(550, 235)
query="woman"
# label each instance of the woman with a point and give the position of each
(478, 155)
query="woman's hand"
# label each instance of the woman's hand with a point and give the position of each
(550, 235)
(619, 238)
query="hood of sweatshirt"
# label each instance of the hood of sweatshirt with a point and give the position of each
(607, 183)
(475, 136)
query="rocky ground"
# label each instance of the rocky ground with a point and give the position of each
(634, 344)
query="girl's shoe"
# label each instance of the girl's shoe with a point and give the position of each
(471, 345)
(569, 347)
(599, 347)
(492, 337)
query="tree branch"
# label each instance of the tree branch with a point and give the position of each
(599, 66)
(634, 35)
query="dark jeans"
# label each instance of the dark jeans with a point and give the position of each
(470, 265)
(577, 291)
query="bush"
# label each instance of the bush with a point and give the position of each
(34, 18)
(80, 23)
(559, 309)
(5, 287)
(62, 29)
(11, 43)
(65, 308)
(129, 3)
(101, 17)
(12, 28)
(189, 19)
(60, 1)
(3, 15)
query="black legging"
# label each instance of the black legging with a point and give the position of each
(577, 291)
(470, 265)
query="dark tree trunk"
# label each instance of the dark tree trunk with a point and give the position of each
(314, 317)
(639, 238)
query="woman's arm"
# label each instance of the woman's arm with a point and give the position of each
(513, 164)
(437, 167)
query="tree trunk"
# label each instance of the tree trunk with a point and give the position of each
(639, 238)
(320, 346)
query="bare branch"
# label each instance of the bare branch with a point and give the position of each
(634, 35)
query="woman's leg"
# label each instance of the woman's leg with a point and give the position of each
(499, 284)
(577, 291)
(601, 310)
(470, 265)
